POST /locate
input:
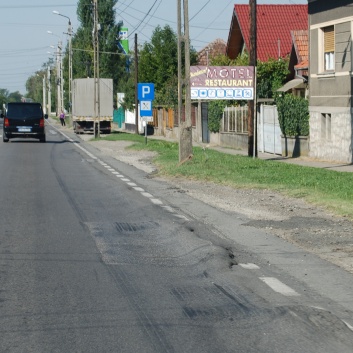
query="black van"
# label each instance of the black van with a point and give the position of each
(23, 120)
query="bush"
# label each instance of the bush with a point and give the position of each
(215, 113)
(293, 115)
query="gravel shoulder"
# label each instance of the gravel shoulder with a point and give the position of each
(309, 227)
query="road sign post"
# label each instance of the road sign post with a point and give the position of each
(145, 96)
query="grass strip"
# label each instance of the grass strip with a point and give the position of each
(330, 189)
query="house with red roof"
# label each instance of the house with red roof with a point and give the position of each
(213, 49)
(275, 27)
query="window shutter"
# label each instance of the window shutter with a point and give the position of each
(329, 39)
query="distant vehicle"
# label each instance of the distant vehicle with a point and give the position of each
(83, 101)
(23, 120)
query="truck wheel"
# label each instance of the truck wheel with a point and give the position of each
(4, 138)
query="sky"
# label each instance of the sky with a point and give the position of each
(25, 44)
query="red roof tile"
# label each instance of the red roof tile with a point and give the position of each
(274, 26)
(301, 44)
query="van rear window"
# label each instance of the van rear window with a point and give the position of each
(24, 110)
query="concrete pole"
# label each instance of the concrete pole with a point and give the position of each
(44, 95)
(136, 89)
(96, 72)
(58, 83)
(70, 67)
(185, 127)
(49, 91)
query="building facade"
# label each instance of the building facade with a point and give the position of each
(330, 79)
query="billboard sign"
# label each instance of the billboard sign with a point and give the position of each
(222, 82)
(123, 42)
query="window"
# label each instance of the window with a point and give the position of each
(329, 48)
(326, 127)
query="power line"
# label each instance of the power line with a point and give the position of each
(135, 29)
(199, 11)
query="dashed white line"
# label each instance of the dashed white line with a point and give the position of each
(250, 266)
(123, 178)
(146, 194)
(279, 287)
(168, 208)
(157, 202)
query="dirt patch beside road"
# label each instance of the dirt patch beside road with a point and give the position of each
(310, 227)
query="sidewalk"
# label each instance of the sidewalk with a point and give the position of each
(303, 161)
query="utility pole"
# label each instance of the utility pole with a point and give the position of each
(49, 91)
(96, 124)
(136, 89)
(185, 127)
(252, 145)
(44, 94)
(59, 79)
(70, 66)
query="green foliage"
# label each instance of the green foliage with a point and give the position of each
(293, 115)
(112, 63)
(215, 112)
(271, 75)
(158, 63)
(224, 60)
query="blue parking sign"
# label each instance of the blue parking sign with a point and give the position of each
(145, 91)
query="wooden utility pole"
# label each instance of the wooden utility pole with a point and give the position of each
(185, 127)
(252, 148)
(136, 89)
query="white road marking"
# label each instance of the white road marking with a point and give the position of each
(146, 194)
(250, 266)
(279, 287)
(123, 178)
(348, 325)
(157, 202)
(181, 216)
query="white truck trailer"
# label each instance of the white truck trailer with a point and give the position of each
(84, 114)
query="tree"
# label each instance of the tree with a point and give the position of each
(113, 63)
(158, 63)
(4, 94)
(271, 75)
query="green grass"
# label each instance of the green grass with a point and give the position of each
(331, 189)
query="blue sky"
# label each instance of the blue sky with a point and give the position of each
(25, 43)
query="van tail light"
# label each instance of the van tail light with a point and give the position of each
(6, 122)
(41, 122)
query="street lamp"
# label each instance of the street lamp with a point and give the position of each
(70, 55)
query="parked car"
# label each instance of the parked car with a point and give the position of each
(23, 120)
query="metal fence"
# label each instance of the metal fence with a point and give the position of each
(235, 119)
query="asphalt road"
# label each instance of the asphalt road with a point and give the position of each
(95, 256)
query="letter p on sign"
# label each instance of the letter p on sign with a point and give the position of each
(145, 91)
